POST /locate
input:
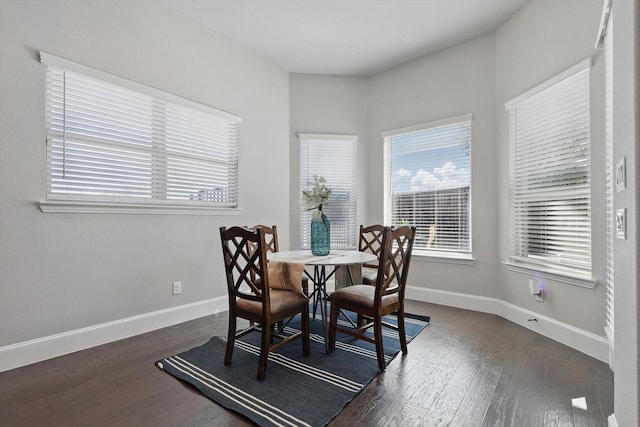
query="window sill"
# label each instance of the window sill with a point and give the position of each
(583, 281)
(75, 206)
(445, 257)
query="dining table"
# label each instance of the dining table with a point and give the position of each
(324, 268)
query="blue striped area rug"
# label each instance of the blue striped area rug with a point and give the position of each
(297, 390)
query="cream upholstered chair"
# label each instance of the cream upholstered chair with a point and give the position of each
(251, 296)
(371, 303)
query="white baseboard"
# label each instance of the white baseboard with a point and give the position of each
(611, 421)
(25, 353)
(586, 342)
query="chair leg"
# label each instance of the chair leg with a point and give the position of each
(377, 332)
(275, 328)
(231, 338)
(306, 342)
(401, 331)
(360, 320)
(333, 323)
(278, 326)
(264, 352)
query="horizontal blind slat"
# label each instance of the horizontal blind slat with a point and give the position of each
(549, 182)
(108, 141)
(333, 157)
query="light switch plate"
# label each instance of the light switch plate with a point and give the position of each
(621, 175)
(621, 223)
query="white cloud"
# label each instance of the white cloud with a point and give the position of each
(424, 181)
(402, 181)
(402, 172)
(445, 177)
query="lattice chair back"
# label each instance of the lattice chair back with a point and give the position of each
(271, 237)
(395, 258)
(245, 260)
(371, 241)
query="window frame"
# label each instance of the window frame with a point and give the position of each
(455, 257)
(155, 203)
(574, 275)
(306, 176)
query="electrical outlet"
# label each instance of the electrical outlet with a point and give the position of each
(536, 289)
(177, 288)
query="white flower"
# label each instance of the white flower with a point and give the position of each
(317, 194)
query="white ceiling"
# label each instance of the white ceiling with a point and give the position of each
(346, 37)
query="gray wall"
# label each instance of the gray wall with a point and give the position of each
(328, 105)
(541, 40)
(61, 272)
(626, 137)
(478, 77)
(452, 82)
(432, 88)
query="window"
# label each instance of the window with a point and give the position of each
(117, 142)
(333, 157)
(606, 41)
(428, 185)
(550, 191)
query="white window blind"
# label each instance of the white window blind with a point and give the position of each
(112, 140)
(550, 187)
(610, 182)
(428, 184)
(333, 157)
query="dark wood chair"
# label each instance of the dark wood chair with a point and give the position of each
(271, 238)
(371, 241)
(371, 303)
(250, 297)
(272, 246)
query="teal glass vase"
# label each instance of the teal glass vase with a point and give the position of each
(320, 234)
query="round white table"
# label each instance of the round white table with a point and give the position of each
(321, 274)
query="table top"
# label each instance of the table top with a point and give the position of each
(334, 258)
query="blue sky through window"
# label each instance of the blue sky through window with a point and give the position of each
(432, 159)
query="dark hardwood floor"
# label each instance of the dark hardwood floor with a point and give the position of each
(465, 369)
